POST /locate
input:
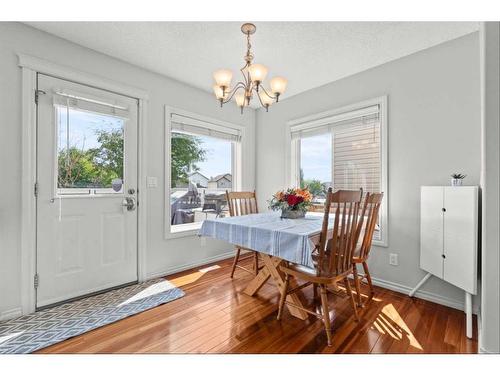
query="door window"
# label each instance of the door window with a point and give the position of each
(90, 149)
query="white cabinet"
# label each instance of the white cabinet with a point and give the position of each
(448, 234)
(449, 238)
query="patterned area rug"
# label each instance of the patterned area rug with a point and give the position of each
(31, 332)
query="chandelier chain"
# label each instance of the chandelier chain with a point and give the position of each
(249, 46)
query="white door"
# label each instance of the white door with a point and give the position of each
(86, 190)
(460, 236)
(431, 229)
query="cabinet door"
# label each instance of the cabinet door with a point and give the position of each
(431, 229)
(460, 237)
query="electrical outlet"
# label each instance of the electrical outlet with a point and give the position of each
(393, 259)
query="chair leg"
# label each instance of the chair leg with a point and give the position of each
(326, 314)
(235, 262)
(315, 290)
(347, 284)
(369, 280)
(356, 284)
(284, 291)
(256, 263)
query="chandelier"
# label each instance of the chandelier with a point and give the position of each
(253, 79)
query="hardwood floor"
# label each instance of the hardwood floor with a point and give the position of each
(216, 317)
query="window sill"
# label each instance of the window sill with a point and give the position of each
(183, 230)
(380, 243)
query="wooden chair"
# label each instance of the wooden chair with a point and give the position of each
(331, 265)
(243, 203)
(366, 227)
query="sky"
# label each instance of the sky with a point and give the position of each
(218, 157)
(82, 127)
(316, 157)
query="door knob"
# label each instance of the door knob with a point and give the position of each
(129, 202)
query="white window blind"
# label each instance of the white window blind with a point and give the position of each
(188, 125)
(82, 102)
(325, 125)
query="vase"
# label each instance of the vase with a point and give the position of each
(456, 182)
(292, 214)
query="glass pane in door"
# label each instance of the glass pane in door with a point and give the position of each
(90, 151)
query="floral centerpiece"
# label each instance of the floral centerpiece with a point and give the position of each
(293, 203)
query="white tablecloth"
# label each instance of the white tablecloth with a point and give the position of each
(267, 233)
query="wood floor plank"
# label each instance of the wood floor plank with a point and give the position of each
(216, 316)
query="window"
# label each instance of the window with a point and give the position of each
(343, 149)
(203, 162)
(90, 145)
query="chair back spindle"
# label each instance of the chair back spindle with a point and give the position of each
(367, 222)
(337, 257)
(242, 203)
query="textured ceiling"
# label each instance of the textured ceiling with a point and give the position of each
(308, 54)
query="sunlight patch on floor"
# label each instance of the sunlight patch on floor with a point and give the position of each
(389, 322)
(192, 277)
(159, 287)
(208, 269)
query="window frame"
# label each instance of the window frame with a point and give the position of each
(292, 154)
(88, 192)
(191, 229)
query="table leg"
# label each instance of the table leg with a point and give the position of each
(257, 282)
(271, 269)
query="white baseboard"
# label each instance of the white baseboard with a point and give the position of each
(422, 294)
(11, 314)
(484, 351)
(202, 262)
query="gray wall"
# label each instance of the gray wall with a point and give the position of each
(490, 100)
(433, 130)
(162, 255)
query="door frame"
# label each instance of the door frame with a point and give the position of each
(30, 67)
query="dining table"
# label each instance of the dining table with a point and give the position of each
(276, 239)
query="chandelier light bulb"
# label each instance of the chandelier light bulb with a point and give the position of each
(218, 92)
(240, 100)
(265, 99)
(278, 85)
(223, 77)
(257, 72)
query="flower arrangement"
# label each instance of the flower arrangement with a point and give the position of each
(293, 202)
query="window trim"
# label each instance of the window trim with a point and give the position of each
(236, 165)
(292, 151)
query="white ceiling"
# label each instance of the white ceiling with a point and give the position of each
(308, 54)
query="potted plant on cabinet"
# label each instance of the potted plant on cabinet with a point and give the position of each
(457, 178)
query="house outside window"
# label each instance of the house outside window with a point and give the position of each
(198, 179)
(222, 181)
